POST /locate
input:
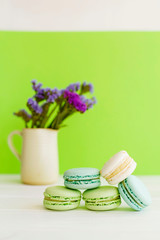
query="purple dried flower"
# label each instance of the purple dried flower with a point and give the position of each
(28, 116)
(61, 92)
(91, 89)
(40, 94)
(44, 93)
(87, 87)
(30, 101)
(35, 86)
(73, 87)
(80, 106)
(41, 91)
(47, 89)
(94, 100)
(56, 92)
(88, 102)
(75, 100)
(22, 113)
(51, 99)
(53, 95)
(70, 96)
(34, 81)
(39, 97)
(33, 105)
(83, 99)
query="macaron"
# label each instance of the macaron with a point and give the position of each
(102, 198)
(134, 193)
(119, 167)
(61, 198)
(82, 178)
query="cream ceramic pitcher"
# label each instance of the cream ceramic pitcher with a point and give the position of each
(39, 158)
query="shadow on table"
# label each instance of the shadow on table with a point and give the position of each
(124, 209)
(83, 208)
(120, 209)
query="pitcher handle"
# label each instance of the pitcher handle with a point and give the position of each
(10, 143)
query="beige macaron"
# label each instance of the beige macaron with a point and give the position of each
(118, 167)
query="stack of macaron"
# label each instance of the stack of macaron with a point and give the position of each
(117, 170)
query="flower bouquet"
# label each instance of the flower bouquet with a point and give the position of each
(50, 107)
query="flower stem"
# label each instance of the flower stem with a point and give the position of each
(47, 117)
(60, 117)
(32, 124)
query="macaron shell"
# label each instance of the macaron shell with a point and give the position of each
(103, 207)
(60, 206)
(114, 162)
(81, 173)
(138, 190)
(62, 192)
(127, 198)
(105, 192)
(86, 184)
(125, 173)
(134, 193)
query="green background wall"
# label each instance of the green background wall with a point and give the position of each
(125, 70)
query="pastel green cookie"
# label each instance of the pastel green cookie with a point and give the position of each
(61, 198)
(102, 198)
(82, 178)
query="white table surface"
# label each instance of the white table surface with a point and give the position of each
(23, 217)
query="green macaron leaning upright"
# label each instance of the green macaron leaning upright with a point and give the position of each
(102, 198)
(61, 198)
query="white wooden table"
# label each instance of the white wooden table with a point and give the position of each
(23, 217)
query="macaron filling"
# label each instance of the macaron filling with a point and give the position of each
(60, 198)
(52, 203)
(78, 182)
(93, 200)
(124, 166)
(77, 177)
(103, 203)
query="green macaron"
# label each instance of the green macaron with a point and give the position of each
(61, 198)
(102, 198)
